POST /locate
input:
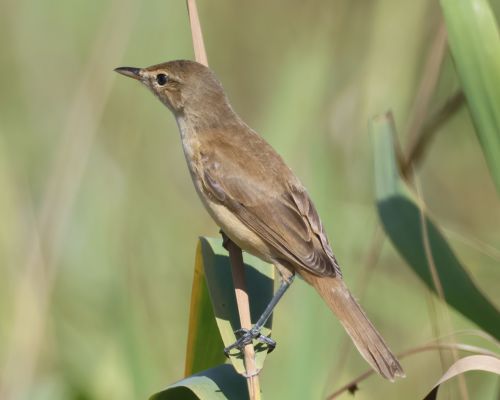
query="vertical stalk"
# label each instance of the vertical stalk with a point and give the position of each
(238, 271)
(235, 254)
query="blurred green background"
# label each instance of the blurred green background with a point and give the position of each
(99, 219)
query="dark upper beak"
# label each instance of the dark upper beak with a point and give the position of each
(131, 72)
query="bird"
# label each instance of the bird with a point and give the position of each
(257, 201)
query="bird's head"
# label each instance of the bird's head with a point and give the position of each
(181, 85)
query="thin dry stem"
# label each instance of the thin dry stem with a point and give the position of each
(238, 269)
(434, 345)
(482, 247)
(427, 84)
(418, 147)
(469, 332)
(434, 323)
(437, 283)
(200, 53)
(419, 133)
(421, 129)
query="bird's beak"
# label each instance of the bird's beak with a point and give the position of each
(131, 72)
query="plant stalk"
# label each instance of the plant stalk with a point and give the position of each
(235, 254)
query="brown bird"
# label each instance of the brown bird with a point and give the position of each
(256, 199)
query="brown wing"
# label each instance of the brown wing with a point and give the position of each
(271, 202)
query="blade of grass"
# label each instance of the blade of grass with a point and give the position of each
(472, 363)
(204, 346)
(259, 281)
(475, 46)
(214, 316)
(431, 346)
(401, 218)
(219, 383)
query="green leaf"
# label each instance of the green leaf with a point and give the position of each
(218, 383)
(213, 316)
(475, 46)
(402, 221)
(204, 347)
(260, 284)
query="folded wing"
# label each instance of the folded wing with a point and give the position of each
(276, 208)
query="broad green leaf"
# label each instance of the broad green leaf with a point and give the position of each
(219, 383)
(475, 46)
(260, 284)
(204, 347)
(401, 218)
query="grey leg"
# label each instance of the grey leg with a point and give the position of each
(247, 335)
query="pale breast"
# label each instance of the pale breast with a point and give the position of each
(225, 219)
(237, 231)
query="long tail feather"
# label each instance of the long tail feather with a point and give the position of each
(364, 335)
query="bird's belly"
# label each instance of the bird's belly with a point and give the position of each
(236, 231)
(225, 219)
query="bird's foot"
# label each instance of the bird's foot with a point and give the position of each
(246, 336)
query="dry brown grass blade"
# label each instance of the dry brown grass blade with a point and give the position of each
(418, 147)
(422, 128)
(238, 269)
(34, 289)
(428, 83)
(434, 345)
(472, 363)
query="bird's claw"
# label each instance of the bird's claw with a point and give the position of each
(246, 336)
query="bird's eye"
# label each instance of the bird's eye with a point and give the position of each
(162, 79)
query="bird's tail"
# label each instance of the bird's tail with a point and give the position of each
(364, 335)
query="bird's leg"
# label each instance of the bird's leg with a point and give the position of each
(247, 335)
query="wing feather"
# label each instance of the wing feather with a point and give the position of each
(280, 212)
